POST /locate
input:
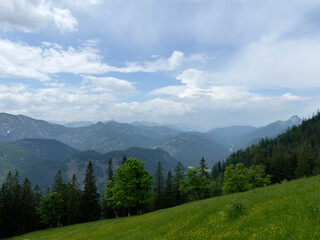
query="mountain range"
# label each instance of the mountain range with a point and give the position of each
(38, 148)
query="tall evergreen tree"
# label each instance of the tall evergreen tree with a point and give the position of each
(204, 168)
(168, 192)
(107, 211)
(124, 159)
(27, 213)
(58, 184)
(90, 201)
(73, 201)
(9, 205)
(178, 177)
(158, 187)
(110, 169)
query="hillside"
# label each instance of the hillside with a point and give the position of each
(290, 210)
(37, 159)
(237, 137)
(188, 148)
(40, 159)
(102, 137)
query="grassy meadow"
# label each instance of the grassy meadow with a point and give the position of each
(290, 210)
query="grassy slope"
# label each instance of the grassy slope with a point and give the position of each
(286, 211)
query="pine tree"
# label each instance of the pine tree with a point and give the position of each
(58, 185)
(204, 168)
(107, 211)
(177, 182)
(124, 159)
(9, 205)
(168, 192)
(27, 213)
(73, 201)
(158, 187)
(110, 169)
(90, 205)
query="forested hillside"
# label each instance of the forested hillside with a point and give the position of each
(291, 155)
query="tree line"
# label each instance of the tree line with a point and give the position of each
(292, 155)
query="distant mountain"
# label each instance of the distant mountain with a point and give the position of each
(40, 159)
(226, 136)
(37, 159)
(102, 137)
(237, 137)
(270, 131)
(188, 148)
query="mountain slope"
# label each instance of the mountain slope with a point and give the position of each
(188, 148)
(284, 211)
(40, 159)
(102, 137)
(37, 159)
(237, 137)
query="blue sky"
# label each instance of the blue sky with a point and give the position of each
(192, 62)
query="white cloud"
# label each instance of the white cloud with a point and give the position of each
(18, 59)
(30, 16)
(160, 64)
(64, 20)
(108, 84)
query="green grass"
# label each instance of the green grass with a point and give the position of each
(285, 211)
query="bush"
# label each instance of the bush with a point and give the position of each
(235, 210)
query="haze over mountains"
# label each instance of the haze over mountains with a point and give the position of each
(38, 149)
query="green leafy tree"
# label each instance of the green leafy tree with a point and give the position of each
(51, 209)
(90, 201)
(238, 178)
(131, 188)
(196, 184)
(158, 187)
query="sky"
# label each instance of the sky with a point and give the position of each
(197, 63)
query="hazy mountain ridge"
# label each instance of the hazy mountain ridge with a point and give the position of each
(187, 147)
(40, 159)
(102, 137)
(190, 147)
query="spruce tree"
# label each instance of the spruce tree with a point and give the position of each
(110, 169)
(9, 205)
(73, 201)
(204, 168)
(58, 184)
(168, 192)
(179, 175)
(90, 205)
(107, 211)
(124, 159)
(158, 187)
(27, 213)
